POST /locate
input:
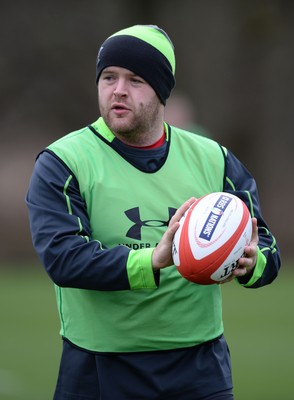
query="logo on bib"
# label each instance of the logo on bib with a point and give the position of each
(133, 215)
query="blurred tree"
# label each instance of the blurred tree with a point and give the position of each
(235, 62)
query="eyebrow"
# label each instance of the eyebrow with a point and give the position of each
(107, 70)
(110, 70)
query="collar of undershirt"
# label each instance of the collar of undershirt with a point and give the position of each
(158, 143)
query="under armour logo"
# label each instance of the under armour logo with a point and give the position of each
(134, 215)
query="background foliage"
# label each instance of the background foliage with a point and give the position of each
(235, 62)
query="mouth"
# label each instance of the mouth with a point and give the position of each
(119, 107)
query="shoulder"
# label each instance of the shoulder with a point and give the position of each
(196, 142)
(70, 138)
(76, 148)
(192, 136)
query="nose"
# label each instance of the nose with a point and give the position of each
(120, 89)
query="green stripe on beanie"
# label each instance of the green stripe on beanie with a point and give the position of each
(145, 50)
(156, 37)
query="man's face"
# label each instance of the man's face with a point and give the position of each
(128, 104)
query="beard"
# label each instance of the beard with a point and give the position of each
(137, 125)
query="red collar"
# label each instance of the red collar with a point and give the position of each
(158, 143)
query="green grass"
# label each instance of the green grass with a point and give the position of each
(30, 345)
(259, 328)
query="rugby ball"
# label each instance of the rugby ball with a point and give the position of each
(211, 238)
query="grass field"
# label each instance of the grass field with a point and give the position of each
(259, 327)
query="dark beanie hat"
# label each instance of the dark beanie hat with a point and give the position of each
(145, 50)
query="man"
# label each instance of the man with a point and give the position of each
(104, 204)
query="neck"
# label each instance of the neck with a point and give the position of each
(154, 145)
(136, 139)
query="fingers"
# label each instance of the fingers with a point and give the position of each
(162, 254)
(181, 210)
(254, 238)
(250, 252)
(240, 271)
(248, 261)
(174, 222)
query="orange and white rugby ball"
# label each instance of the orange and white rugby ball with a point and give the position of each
(211, 238)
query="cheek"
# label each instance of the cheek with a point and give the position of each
(141, 105)
(103, 97)
(104, 91)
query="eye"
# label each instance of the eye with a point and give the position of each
(137, 80)
(108, 77)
